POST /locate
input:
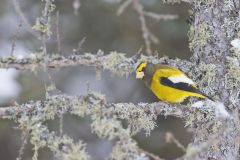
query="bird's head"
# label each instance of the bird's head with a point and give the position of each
(140, 70)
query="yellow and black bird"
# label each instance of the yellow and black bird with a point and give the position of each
(168, 83)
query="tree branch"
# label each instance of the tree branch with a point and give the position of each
(118, 63)
(69, 104)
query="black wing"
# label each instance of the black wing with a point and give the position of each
(181, 85)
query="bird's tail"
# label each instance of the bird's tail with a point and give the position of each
(205, 96)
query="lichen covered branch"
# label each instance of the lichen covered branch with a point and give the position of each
(214, 65)
(106, 122)
(116, 62)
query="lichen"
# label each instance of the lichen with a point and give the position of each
(206, 77)
(198, 3)
(42, 24)
(228, 5)
(216, 127)
(107, 118)
(199, 35)
(43, 28)
(171, 1)
(66, 149)
(79, 108)
(137, 118)
(34, 128)
(127, 149)
(117, 64)
(107, 128)
(40, 136)
(232, 77)
(208, 73)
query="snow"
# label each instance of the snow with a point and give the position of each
(236, 43)
(9, 87)
(217, 107)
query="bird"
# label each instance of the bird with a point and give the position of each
(168, 83)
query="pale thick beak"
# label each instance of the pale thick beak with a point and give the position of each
(139, 75)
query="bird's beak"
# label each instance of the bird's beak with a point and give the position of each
(139, 75)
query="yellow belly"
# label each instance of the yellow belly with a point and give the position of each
(170, 94)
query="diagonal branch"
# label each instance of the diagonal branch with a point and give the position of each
(24, 19)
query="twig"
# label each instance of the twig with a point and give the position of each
(45, 20)
(76, 5)
(170, 138)
(79, 47)
(21, 150)
(58, 34)
(24, 19)
(145, 31)
(15, 38)
(153, 156)
(123, 6)
(187, 1)
(46, 12)
(44, 46)
(80, 44)
(160, 16)
(51, 90)
(147, 35)
(61, 124)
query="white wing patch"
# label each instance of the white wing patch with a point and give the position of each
(180, 78)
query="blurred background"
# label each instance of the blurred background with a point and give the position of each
(97, 22)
